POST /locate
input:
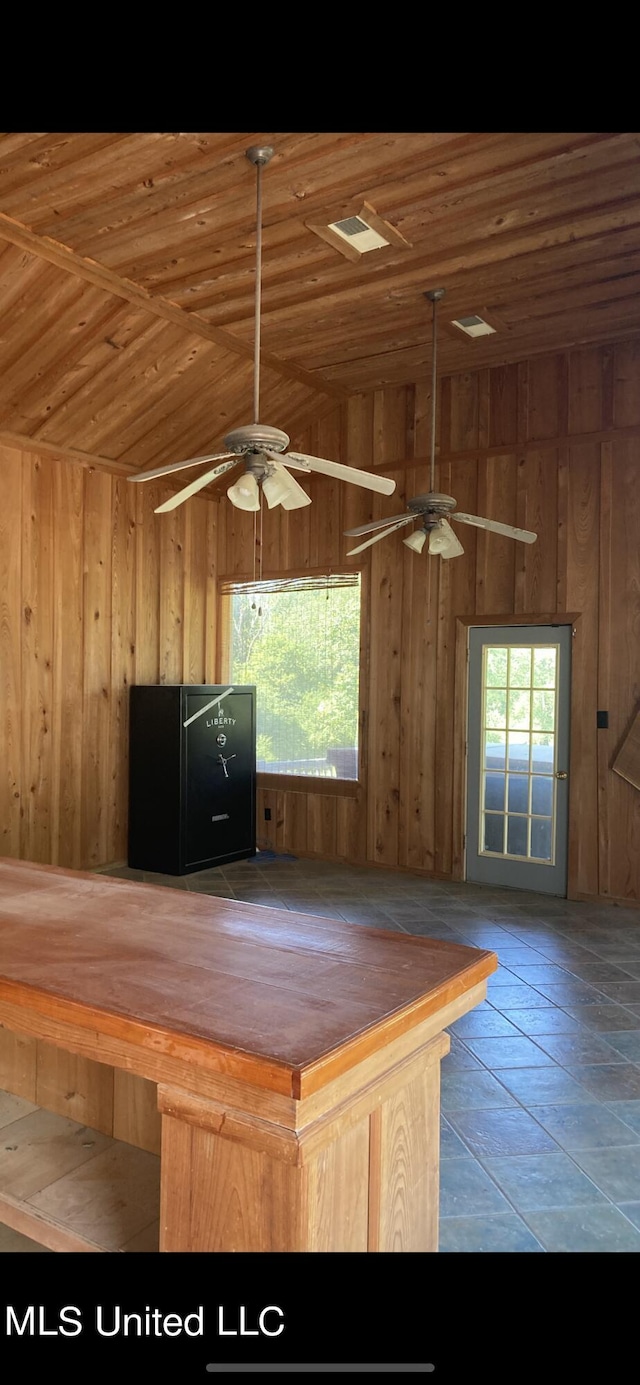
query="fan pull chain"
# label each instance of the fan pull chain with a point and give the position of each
(429, 567)
(255, 540)
(261, 514)
(257, 545)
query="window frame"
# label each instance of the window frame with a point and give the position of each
(303, 783)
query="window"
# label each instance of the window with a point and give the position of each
(298, 641)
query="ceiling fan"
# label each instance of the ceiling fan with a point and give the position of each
(262, 449)
(434, 509)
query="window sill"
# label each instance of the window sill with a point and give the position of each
(307, 783)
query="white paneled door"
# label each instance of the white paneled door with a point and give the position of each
(518, 756)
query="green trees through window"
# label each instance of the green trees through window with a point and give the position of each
(300, 646)
(519, 692)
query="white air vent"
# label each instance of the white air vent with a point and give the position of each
(473, 325)
(353, 236)
(358, 233)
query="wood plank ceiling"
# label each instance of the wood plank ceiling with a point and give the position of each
(127, 273)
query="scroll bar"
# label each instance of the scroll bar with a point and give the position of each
(221, 1368)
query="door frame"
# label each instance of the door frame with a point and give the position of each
(460, 713)
(499, 864)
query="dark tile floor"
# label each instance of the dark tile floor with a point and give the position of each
(541, 1089)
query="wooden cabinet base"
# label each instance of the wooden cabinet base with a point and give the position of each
(361, 1177)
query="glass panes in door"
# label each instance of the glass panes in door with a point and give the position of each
(519, 751)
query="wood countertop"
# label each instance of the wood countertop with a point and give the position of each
(280, 999)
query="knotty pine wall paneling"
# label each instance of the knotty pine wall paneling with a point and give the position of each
(619, 663)
(551, 444)
(96, 592)
(97, 693)
(35, 685)
(68, 672)
(11, 609)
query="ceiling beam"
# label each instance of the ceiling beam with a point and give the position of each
(24, 443)
(60, 255)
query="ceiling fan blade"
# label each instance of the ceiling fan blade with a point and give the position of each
(371, 482)
(181, 466)
(295, 498)
(197, 485)
(444, 542)
(406, 519)
(374, 524)
(524, 535)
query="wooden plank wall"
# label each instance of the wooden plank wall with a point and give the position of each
(552, 444)
(96, 593)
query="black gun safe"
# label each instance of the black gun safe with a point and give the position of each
(192, 776)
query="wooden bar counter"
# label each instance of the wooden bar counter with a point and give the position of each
(294, 1061)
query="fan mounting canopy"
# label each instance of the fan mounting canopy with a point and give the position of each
(434, 501)
(253, 437)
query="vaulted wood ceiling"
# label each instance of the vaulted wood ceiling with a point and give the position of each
(127, 273)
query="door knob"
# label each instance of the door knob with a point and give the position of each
(561, 774)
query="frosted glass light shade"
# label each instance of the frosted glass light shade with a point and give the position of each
(438, 540)
(245, 494)
(443, 541)
(275, 490)
(416, 541)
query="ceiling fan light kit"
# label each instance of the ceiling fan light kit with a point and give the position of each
(434, 509)
(262, 449)
(245, 494)
(417, 540)
(273, 490)
(442, 540)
